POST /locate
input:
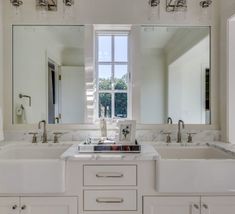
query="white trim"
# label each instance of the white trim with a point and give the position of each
(108, 27)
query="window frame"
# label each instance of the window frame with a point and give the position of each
(112, 63)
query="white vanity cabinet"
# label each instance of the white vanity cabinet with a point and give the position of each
(189, 205)
(9, 205)
(218, 205)
(110, 187)
(38, 205)
(171, 205)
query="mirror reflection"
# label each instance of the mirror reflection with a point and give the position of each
(176, 78)
(79, 74)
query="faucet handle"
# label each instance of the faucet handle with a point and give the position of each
(190, 137)
(34, 139)
(168, 136)
(57, 135)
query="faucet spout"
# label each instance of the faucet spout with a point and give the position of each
(44, 135)
(179, 134)
(169, 120)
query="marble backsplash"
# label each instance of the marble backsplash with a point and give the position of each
(141, 135)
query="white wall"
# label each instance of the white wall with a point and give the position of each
(231, 79)
(32, 47)
(227, 10)
(152, 89)
(72, 106)
(187, 84)
(103, 12)
(1, 54)
(1, 71)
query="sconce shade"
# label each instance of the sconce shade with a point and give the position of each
(154, 3)
(16, 3)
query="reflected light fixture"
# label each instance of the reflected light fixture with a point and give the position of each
(154, 3)
(206, 3)
(16, 3)
(68, 3)
(176, 5)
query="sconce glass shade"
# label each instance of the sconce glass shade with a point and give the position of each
(154, 3)
(154, 9)
(48, 5)
(68, 3)
(206, 3)
(176, 5)
(42, 3)
(16, 3)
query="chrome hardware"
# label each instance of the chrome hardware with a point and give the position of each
(16, 3)
(25, 96)
(110, 200)
(23, 207)
(109, 175)
(176, 5)
(68, 3)
(168, 137)
(57, 135)
(179, 134)
(34, 139)
(154, 3)
(44, 135)
(57, 120)
(169, 120)
(196, 206)
(190, 137)
(49, 5)
(206, 3)
(14, 207)
(205, 206)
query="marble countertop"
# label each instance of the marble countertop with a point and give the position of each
(147, 153)
(148, 150)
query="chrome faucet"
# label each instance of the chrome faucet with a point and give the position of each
(44, 135)
(169, 120)
(179, 134)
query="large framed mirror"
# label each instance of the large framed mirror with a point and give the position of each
(78, 74)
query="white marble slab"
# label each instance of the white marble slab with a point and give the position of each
(147, 153)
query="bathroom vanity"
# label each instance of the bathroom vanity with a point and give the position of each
(89, 183)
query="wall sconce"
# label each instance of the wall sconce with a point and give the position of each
(154, 3)
(68, 3)
(206, 3)
(49, 5)
(16, 3)
(176, 5)
(154, 13)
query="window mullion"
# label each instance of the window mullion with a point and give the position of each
(113, 97)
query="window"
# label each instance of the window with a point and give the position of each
(112, 69)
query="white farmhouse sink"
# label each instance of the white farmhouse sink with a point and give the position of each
(32, 168)
(195, 169)
(193, 153)
(43, 151)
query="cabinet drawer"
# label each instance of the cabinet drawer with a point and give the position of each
(110, 200)
(95, 175)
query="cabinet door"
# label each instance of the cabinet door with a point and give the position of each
(9, 205)
(172, 205)
(48, 205)
(218, 205)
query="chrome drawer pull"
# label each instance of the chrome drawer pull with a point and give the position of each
(110, 200)
(205, 206)
(196, 206)
(23, 207)
(109, 175)
(14, 207)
